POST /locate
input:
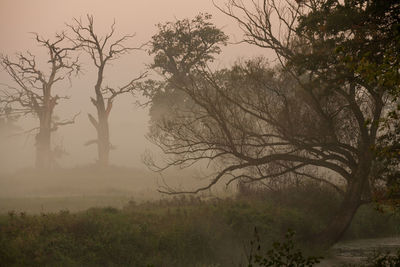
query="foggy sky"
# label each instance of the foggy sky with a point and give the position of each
(128, 122)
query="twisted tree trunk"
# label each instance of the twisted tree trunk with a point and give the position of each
(353, 199)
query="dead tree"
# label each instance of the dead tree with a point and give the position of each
(102, 50)
(32, 92)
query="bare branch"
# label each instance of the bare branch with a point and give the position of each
(56, 125)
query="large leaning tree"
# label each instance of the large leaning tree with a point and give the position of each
(32, 92)
(350, 50)
(317, 114)
(102, 49)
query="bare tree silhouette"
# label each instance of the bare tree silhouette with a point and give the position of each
(102, 50)
(32, 92)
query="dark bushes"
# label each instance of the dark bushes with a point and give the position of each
(185, 231)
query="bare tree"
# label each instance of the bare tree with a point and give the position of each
(33, 89)
(102, 50)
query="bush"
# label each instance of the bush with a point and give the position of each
(383, 259)
(281, 254)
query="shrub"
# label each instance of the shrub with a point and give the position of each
(379, 259)
(281, 254)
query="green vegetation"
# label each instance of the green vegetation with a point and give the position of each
(181, 231)
(281, 254)
(384, 260)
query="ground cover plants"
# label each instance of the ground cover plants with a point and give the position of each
(180, 231)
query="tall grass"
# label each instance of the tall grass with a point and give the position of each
(181, 231)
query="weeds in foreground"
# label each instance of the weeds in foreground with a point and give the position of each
(381, 259)
(284, 254)
(178, 232)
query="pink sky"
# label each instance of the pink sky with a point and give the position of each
(18, 17)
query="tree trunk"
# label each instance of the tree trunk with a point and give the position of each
(43, 150)
(103, 142)
(103, 132)
(43, 142)
(352, 201)
(341, 222)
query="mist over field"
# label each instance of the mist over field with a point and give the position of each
(128, 120)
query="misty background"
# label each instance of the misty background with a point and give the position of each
(128, 121)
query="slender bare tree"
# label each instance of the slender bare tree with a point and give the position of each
(102, 50)
(32, 92)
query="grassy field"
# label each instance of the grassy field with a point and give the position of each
(180, 231)
(37, 205)
(74, 189)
